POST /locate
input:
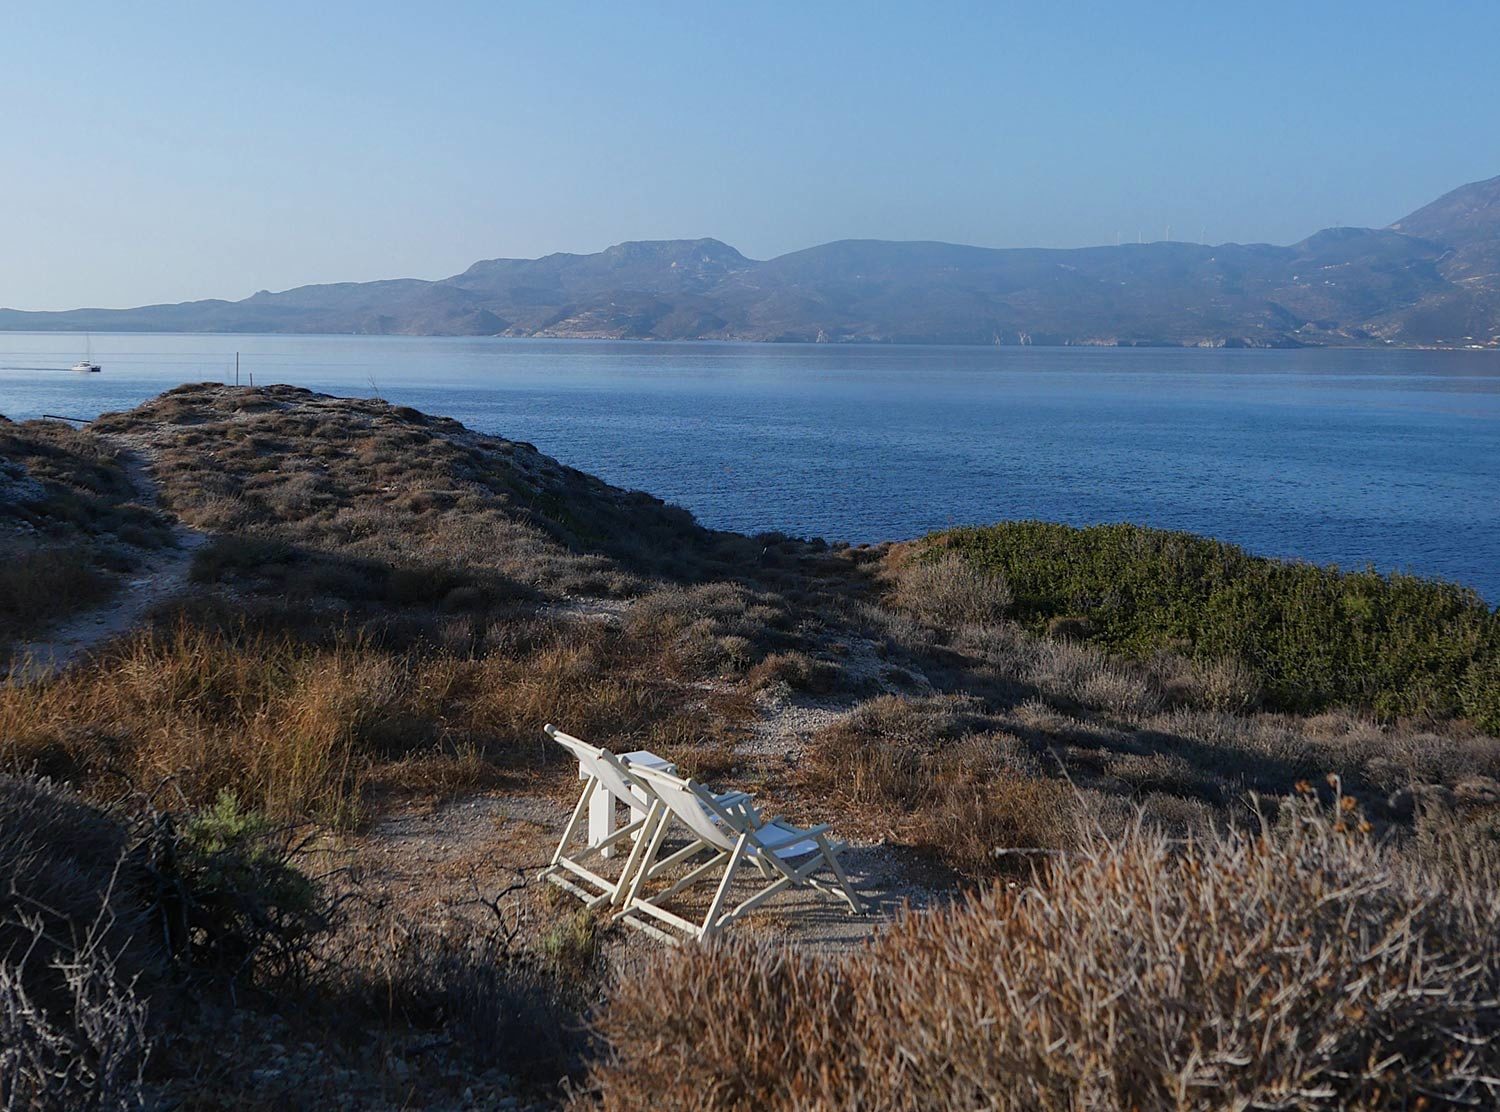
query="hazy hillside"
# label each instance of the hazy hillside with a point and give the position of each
(1467, 223)
(1431, 278)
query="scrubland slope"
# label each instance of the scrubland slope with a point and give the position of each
(1111, 750)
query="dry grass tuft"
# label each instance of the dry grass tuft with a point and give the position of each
(926, 771)
(42, 583)
(1295, 966)
(296, 727)
(712, 628)
(950, 592)
(797, 670)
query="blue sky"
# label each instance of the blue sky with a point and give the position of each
(172, 151)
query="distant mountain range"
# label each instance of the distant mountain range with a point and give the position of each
(1431, 278)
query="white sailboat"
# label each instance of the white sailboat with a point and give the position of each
(87, 363)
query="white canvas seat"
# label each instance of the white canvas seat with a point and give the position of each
(731, 833)
(606, 773)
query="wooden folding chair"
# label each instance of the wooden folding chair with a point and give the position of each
(609, 776)
(732, 833)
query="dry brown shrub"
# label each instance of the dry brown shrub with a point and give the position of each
(930, 772)
(951, 592)
(783, 1009)
(1461, 843)
(710, 628)
(1296, 966)
(1064, 666)
(795, 669)
(880, 757)
(1158, 771)
(1065, 670)
(976, 814)
(66, 861)
(89, 1056)
(1225, 685)
(1119, 692)
(1270, 752)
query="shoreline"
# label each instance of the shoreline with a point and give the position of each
(1143, 345)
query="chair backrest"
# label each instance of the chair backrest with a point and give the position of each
(601, 764)
(690, 803)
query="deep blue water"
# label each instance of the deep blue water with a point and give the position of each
(1389, 458)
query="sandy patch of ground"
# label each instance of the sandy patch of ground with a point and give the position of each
(437, 860)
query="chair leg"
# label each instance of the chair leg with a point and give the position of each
(658, 836)
(573, 821)
(710, 921)
(638, 846)
(856, 905)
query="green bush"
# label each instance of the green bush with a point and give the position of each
(234, 902)
(1314, 636)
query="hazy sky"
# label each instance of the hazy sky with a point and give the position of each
(161, 152)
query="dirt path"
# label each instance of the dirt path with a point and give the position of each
(163, 574)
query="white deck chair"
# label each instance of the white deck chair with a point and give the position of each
(732, 835)
(604, 772)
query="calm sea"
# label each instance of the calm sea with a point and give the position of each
(1388, 458)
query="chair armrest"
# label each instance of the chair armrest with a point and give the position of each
(741, 803)
(647, 759)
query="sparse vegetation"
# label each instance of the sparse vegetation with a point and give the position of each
(361, 500)
(713, 628)
(121, 932)
(87, 1052)
(504, 1007)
